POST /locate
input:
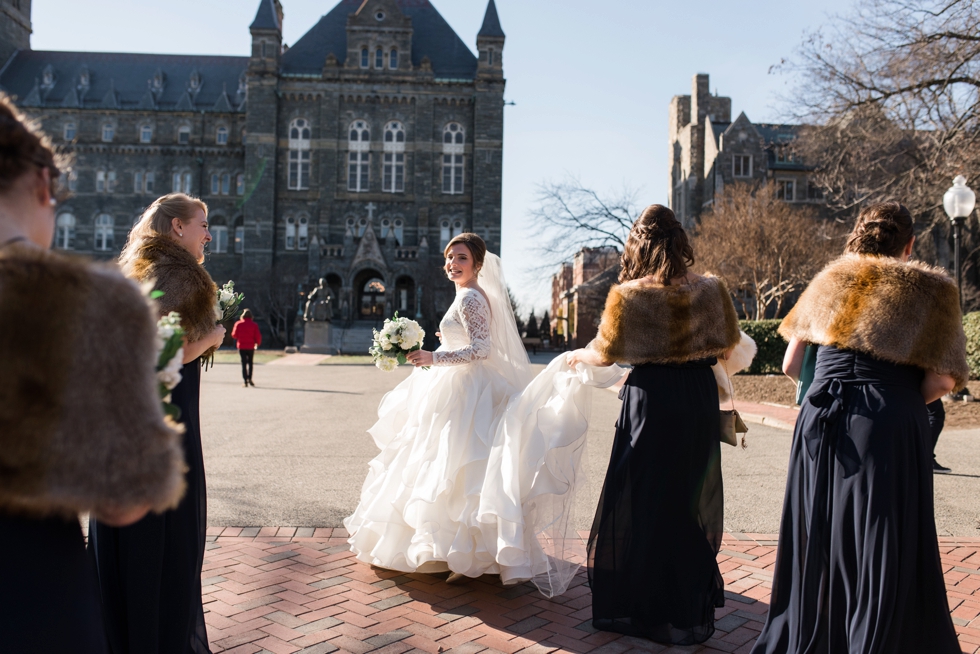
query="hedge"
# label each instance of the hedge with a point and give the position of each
(772, 347)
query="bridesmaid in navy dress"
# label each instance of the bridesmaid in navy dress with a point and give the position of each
(857, 566)
(81, 424)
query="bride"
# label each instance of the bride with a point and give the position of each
(477, 469)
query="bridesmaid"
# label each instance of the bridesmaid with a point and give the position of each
(150, 573)
(857, 567)
(658, 528)
(81, 424)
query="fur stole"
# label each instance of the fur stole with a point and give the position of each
(905, 313)
(81, 424)
(643, 323)
(187, 287)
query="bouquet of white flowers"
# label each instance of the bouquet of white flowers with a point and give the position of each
(398, 337)
(170, 358)
(228, 302)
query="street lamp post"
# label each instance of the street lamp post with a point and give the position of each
(959, 202)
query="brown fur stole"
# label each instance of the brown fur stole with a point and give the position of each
(905, 313)
(187, 287)
(81, 424)
(643, 323)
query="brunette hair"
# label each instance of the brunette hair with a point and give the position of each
(22, 146)
(157, 220)
(657, 245)
(476, 245)
(246, 314)
(883, 229)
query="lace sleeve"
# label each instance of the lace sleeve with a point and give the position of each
(474, 315)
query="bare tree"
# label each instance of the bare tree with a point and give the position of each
(281, 315)
(568, 216)
(766, 250)
(892, 94)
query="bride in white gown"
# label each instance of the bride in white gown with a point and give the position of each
(478, 464)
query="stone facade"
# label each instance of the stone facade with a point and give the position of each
(708, 150)
(578, 295)
(354, 155)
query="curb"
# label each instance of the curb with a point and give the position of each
(768, 421)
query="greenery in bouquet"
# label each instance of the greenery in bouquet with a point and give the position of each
(228, 302)
(170, 359)
(397, 337)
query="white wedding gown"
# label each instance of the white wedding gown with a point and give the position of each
(479, 464)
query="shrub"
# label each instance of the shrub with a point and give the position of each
(971, 325)
(772, 347)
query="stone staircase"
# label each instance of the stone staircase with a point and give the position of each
(355, 339)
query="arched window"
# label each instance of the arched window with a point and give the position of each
(239, 235)
(290, 233)
(364, 58)
(100, 181)
(361, 227)
(65, 232)
(394, 161)
(299, 154)
(405, 296)
(453, 147)
(445, 234)
(373, 299)
(146, 134)
(303, 233)
(221, 136)
(379, 59)
(108, 132)
(350, 227)
(393, 60)
(215, 184)
(225, 184)
(359, 156)
(399, 231)
(240, 184)
(181, 182)
(103, 232)
(219, 235)
(385, 228)
(110, 181)
(457, 228)
(69, 131)
(138, 182)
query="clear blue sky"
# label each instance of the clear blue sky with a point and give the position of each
(592, 80)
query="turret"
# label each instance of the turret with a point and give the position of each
(490, 43)
(266, 32)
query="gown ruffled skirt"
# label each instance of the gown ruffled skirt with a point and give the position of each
(857, 567)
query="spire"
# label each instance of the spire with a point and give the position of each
(491, 23)
(267, 17)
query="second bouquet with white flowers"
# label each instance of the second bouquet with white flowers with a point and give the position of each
(170, 359)
(397, 337)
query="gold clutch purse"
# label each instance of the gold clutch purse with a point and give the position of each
(731, 423)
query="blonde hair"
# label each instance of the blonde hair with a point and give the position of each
(157, 220)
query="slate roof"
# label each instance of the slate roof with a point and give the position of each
(432, 38)
(491, 22)
(122, 80)
(717, 129)
(266, 18)
(775, 133)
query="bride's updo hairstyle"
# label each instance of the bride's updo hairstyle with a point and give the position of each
(882, 229)
(476, 245)
(23, 145)
(657, 246)
(157, 220)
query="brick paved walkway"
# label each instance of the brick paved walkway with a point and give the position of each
(284, 590)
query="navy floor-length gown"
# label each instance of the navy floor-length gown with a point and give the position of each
(653, 548)
(150, 572)
(857, 566)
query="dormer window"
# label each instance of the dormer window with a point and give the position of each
(379, 59)
(393, 60)
(364, 58)
(195, 82)
(47, 77)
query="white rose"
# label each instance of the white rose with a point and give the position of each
(227, 297)
(412, 335)
(386, 364)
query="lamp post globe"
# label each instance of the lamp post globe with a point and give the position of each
(959, 202)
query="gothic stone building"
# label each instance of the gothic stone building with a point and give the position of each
(354, 155)
(708, 150)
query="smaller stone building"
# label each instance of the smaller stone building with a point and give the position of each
(578, 295)
(709, 150)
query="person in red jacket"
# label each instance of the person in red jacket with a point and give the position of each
(248, 338)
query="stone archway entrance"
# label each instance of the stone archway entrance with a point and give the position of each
(369, 289)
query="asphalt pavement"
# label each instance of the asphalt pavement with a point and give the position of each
(293, 451)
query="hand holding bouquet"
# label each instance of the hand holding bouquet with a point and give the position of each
(170, 359)
(397, 337)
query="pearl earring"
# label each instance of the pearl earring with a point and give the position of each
(180, 233)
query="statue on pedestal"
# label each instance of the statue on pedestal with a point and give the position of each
(319, 305)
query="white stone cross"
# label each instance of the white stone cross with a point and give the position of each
(370, 209)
